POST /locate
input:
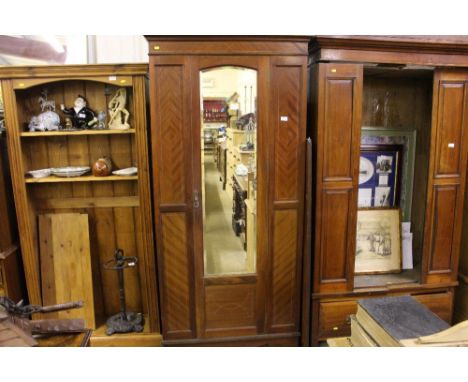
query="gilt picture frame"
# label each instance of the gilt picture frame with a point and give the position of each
(378, 241)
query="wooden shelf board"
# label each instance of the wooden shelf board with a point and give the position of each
(408, 276)
(77, 132)
(83, 178)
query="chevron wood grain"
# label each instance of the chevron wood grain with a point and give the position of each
(284, 269)
(169, 98)
(198, 309)
(176, 294)
(289, 82)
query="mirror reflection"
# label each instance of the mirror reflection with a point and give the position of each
(229, 169)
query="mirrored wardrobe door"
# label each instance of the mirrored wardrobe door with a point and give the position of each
(226, 174)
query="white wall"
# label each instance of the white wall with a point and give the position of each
(117, 49)
(224, 82)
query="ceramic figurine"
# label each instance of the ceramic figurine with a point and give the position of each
(48, 120)
(101, 120)
(118, 115)
(81, 116)
(68, 123)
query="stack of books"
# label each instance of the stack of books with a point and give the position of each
(402, 321)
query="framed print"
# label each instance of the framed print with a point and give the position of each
(379, 176)
(378, 241)
(407, 138)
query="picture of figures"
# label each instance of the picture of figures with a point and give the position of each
(378, 241)
(384, 164)
(382, 197)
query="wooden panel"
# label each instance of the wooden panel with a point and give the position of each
(143, 214)
(287, 149)
(206, 45)
(433, 51)
(444, 204)
(230, 306)
(447, 169)
(335, 235)
(287, 93)
(439, 303)
(24, 210)
(450, 128)
(284, 280)
(61, 72)
(171, 121)
(8, 233)
(334, 318)
(338, 128)
(336, 108)
(103, 202)
(176, 277)
(66, 264)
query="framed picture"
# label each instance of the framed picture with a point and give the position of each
(378, 242)
(379, 176)
(407, 138)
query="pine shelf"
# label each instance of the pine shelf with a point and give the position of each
(77, 132)
(83, 178)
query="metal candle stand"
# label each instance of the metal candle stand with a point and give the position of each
(123, 322)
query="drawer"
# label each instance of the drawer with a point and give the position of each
(334, 318)
(439, 303)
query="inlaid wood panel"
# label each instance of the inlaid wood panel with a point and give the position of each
(175, 273)
(230, 306)
(450, 128)
(169, 99)
(284, 268)
(335, 235)
(445, 199)
(287, 100)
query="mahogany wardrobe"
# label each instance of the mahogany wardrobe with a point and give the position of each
(259, 303)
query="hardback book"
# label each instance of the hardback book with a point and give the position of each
(456, 335)
(359, 337)
(389, 320)
(339, 342)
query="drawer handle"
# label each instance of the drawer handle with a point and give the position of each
(335, 328)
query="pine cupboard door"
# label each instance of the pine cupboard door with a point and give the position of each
(447, 176)
(172, 192)
(336, 108)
